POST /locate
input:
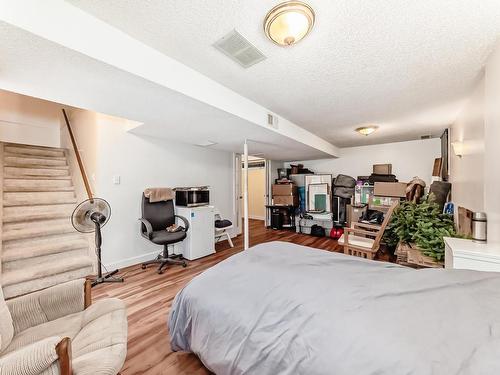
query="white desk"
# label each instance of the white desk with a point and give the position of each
(469, 255)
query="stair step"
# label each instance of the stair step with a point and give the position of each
(30, 286)
(21, 264)
(20, 184)
(42, 212)
(37, 198)
(39, 173)
(29, 248)
(34, 150)
(26, 161)
(15, 231)
(38, 166)
(45, 268)
(18, 155)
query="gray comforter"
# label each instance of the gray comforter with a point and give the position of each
(281, 308)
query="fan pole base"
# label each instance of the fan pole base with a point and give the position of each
(106, 279)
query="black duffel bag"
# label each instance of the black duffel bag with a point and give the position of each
(344, 181)
(317, 231)
(382, 178)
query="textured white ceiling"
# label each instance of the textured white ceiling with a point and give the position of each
(403, 64)
(33, 66)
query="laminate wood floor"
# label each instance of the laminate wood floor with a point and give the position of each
(149, 296)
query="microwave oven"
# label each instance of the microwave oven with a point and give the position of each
(192, 196)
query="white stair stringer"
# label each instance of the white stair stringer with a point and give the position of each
(39, 246)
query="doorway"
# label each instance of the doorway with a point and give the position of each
(256, 188)
(261, 188)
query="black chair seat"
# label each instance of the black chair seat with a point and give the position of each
(162, 237)
(156, 216)
(222, 223)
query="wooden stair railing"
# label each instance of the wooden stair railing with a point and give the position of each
(78, 157)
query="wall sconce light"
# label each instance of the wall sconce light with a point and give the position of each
(458, 148)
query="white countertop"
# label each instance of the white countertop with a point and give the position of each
(469, 248)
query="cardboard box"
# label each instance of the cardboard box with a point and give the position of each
(390, 189)
(382, 168)
(354, 213)
(382, 203)
(464, 221)
(286, 200)
(284, 189)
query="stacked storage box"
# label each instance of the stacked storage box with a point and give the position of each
(306, 224)
(285, 195)
(382, 173)
(385, 193)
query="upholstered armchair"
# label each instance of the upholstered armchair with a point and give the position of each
(57, 331)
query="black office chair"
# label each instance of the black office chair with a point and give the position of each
(156, 217)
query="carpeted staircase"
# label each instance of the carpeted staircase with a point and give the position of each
(40, 247)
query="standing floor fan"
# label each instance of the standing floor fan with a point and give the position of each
(90, 216)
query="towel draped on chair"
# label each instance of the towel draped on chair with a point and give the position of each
(159, 194)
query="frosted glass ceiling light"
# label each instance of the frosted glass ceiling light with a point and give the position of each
(366, 130)
(289, 22)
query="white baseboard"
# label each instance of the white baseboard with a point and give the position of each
(257, 217)
(148, 256)
(132, 260)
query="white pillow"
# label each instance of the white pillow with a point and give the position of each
(6, 326)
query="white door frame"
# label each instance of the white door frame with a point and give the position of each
(237, 193)
(268, 199)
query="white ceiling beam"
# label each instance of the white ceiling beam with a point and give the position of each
(66, 25)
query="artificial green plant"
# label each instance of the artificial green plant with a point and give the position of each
(423, 224)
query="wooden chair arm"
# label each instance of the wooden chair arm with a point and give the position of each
(359, 231)
(368, 226)
(87, 296)
(63, 350)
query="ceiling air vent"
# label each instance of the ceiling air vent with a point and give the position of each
(426, 136)
(237, 48)
(272, 121)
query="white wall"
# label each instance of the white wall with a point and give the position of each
(408, 159)
(476, 177)
(143, 162)
(28, 120)
(84, 126)
(492, 145)
(467, 172)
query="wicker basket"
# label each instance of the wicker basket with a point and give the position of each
(410, 255)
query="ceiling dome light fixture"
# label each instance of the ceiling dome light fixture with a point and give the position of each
(367, 130)
(289, 22)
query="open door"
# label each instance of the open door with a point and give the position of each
(268, 197)
(237, 193)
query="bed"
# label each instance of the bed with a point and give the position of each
(281, 308)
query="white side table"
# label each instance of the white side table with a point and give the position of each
(469, 255)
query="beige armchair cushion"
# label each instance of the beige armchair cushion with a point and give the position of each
(6, 326)
(98, 337)
(47, 304)
(37, 358)
(357, 241)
